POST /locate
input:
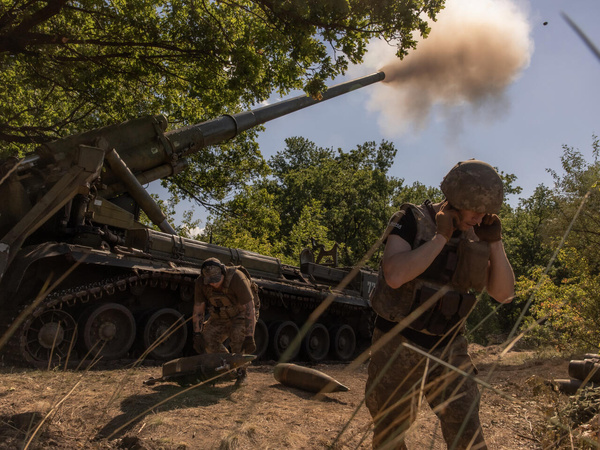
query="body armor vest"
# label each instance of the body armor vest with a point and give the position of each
(223, 301)
(461, 267)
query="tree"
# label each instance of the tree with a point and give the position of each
(564, 294)
(250, 222)
(309, 228)
(70, 66)
(567, 308)
(329, 196)
(524, 236)
(417, 193)
(525, 231)
(353, 190)
(578, 187)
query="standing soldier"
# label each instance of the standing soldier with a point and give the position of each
(229, 295)
(436, 257)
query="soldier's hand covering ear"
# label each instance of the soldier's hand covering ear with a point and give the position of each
(445, 220)
(490, 228)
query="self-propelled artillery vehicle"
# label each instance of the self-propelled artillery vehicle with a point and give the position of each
(81, 277)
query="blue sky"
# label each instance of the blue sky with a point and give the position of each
(552, 102)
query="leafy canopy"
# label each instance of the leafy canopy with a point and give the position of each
(564, 295)
(71, 66)
(315, 194)
(68, 66)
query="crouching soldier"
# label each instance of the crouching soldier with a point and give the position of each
(229, 295)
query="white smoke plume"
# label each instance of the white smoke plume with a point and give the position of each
(475, 50)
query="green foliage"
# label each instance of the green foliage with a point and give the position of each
(568, 308)
(417, 193)
(216, 172)
(564, 296)
(249, 222)
(525, 231)
(485, 324)
(308, 229)
(70, 66)
(578, 188)
(526, 244)
(322, 195)
(353, 191)
(508, 180)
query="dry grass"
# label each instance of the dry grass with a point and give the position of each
(111, 409)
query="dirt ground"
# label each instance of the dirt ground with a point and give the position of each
(109, 409)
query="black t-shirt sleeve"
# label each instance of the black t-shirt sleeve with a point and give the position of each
(406, 228)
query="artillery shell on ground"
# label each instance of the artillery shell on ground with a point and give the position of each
(586, 369)
(306, 379)
(199, 368)
(570, 386)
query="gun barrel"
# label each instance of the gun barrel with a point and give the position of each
(195, 137)
(151, 153)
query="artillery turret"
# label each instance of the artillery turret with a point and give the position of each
(80, 276)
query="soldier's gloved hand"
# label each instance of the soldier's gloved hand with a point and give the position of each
(199, 343)
(249, 346)
(445, 220)
(490, 228)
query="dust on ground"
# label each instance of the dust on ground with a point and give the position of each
(110, 409)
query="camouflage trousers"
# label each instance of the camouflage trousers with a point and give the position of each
(394, 393)
(217, 330)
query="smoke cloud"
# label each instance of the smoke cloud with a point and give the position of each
(474, 51)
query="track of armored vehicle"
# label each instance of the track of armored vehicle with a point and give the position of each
(141, 308)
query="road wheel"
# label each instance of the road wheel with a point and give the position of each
(49, 337)
(343, 342)
(316, 342)
(282, 335)
(108, 331)
(166, 333)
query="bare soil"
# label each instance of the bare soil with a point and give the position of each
(109, 409)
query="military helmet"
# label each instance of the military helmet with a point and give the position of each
(212, 270)
(474, 185)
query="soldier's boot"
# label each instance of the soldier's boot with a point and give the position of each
(242, 376)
